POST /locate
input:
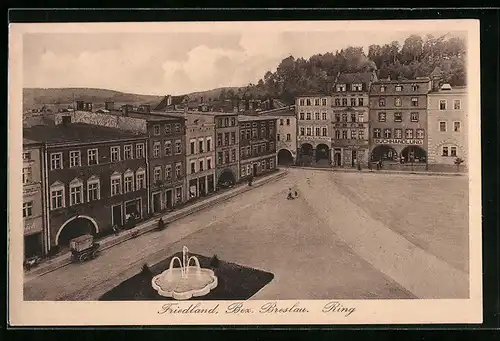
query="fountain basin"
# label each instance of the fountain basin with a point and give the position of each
(182, 284)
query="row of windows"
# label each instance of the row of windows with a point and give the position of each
(398, 133)
(356, 134)
(167, 148)
(399, 88)
(226, 157)
(256, 150)
(201, 165)
(309, 101)
(226, 122)
(354, 87)
(352, 103)
(288, 137)
(316, 116)
(398, 102)
(167, 171)
(255, 124)
(131, 182)
(443, 126)
(167, 129)
(247, 169)
(204, 145)
(75, 156)
(443, 104)
(245, 133)
(282, 121)
(226, 139)
(353, 118)
(310, 131)
(449, 151)
(398, 117)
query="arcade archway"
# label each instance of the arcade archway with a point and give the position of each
(285, 157)
(414, 154)
(226, 178)
(75, 227)
(384, 153)
(322, 152)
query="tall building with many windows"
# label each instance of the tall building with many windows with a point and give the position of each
(286, 138)
(35, 233)
(447, 125)
(313, 129)
(398, 121)
(350, 118)
(96, 178)
(226, 147)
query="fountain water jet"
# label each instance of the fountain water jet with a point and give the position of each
(185, 281)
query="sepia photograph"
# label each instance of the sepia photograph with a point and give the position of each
(319, 172)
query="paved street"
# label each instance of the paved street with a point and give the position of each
(347, 236)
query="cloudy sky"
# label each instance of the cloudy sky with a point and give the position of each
(175, 63)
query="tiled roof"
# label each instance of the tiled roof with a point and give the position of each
(358, 77)
(75, 132)
(284, 111)
(243, 118)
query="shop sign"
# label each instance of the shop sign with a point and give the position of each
(31, 189)
(31, 227)
(398, 141)
(314, 138)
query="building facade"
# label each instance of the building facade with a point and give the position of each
(350, 119)
(398, 121)
(257, 145)
(96, 176)
(226, 148)
(33, 199)
(200, 155)
(447, 125)
(286, 137)
(313, 129)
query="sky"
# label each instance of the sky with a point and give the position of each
(176, 62)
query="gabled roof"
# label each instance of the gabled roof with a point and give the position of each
(358, 77)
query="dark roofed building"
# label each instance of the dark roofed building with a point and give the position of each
(172, 103)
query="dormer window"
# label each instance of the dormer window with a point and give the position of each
(414, 87)
(341, 87)
(399, 88)
(382, 88)
(357, 87)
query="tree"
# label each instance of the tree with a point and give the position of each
(412, 49)
(458, 162)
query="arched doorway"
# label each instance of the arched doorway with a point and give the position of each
(226, 178)
(75, 227)
(322, 152)
(306, 153)
(384, 153)
(285, 157)
(414, 154)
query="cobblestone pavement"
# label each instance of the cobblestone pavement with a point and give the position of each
(321, 245)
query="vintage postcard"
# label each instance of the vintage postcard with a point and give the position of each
(308, 172)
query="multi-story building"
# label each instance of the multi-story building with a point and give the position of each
(398, 121)
(257, 147)
(286, 137)
(96, 178)
(33, 199)
(227, 147)
(313, 129)
(350, 119)
(447, 125)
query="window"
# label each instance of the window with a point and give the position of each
(344, 102)
(387, 133)
(361, 134)
(353, 118)
(442, 104)
(281, 121)
(127, 152)
(317, 131)
(456, 104)
(360, 102)
(277, 137)
(301, 116)
(324, 132)
(200, 146)
(168, 129)
(92, 157)
(301, 101)
(414, 117)
(263, 165)
(75, 192)
(74, 158)
(115, 154)
(382, 88)
(168, 148)
(442, 126)
(178, 147)
(353, 134)
(353, 102)
(233, 137)
(316, 116)
(409, 133)
(156, 130)
(308, 131)
(344, 134)
(139, 150)
(337, 117)
(357, 87)
(337, 134)
(233, 121)
(341, 87)
(242, 171)
(193, 167)
(226, 122)
(177, 127)
(168, 172)
(26, 156)
(157, 173)
(337, 102)
(233, 155)
(414, 87)
(56, 161)
(414, 102)
(254, 133)
(420, 133)
(316, 101)
(27, 175)
(398, 117)
(156, 149)
(302, 130)
(323, 101)
(209, 144)
(178, 170)
(93, 190)
(453, 151)
(308, 117)
(344, 117)
(376, 133)
(140, 179)
(209, 163)
(226, 138)
(397, 101)
(399, 88)
(456, 127)
(178, 194)
(219, 158)
(444, 151)
(129, 182)
(381, 102)
(56, 196)
(381, 116)
(219, 139)
(398, 133)
(323, 117)
(27, 209)
(191, 147)
(116, 184)
(288, 137)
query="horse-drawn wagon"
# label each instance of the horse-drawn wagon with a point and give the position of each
(83, 248)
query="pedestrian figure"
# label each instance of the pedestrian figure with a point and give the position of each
(289, 197)
(161, 224)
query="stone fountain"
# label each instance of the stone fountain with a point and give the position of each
(185, 281)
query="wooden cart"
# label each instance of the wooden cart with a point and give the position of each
(83, 248)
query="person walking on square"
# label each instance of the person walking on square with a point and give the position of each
(289, 196)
